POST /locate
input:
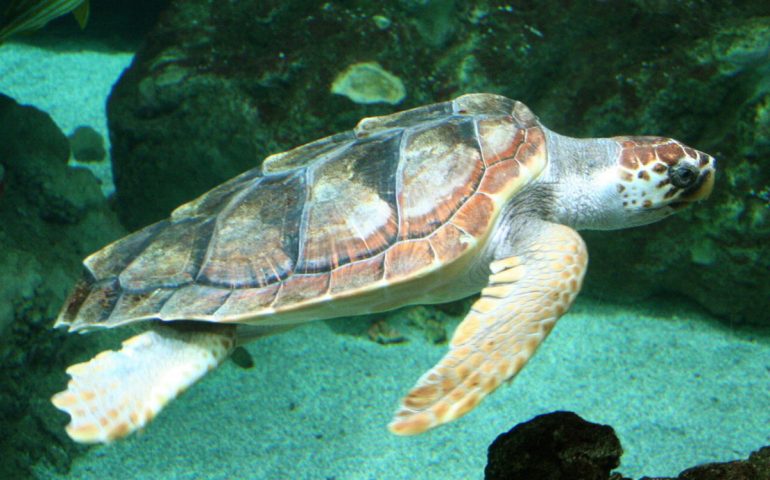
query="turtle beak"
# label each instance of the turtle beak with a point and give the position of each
(702, 189)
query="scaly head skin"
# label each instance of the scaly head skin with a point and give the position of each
(660, 176)
(620, 182)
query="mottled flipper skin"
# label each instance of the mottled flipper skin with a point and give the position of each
(526, 295)
(118, 392)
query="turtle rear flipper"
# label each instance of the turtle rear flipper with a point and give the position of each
(118, 392)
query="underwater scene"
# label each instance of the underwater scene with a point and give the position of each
(186, 186)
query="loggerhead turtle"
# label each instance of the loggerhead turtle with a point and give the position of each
(423, 206)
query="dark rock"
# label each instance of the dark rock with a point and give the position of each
(554, 446)
(757, 467)
(29, 133)
(35, 153)
(561, 445)
(51, 216)
(87, 145)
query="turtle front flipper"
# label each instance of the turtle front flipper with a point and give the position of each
(526, 294)
(118, 392)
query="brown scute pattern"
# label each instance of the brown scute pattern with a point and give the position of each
(499, 176)
(357, 275)
(172, 259)
(193, 301)
(99, 304)
(351, 208)
(499, 139)
(113, 259)
(214, 200)
(76, 299)
(401, 120)
(140, 305)
(307, 154)
(247, 300)
(407, 258)
(532, 151)
(299, 288)
(507, 155)
(442, 168)
(449, 242)
(484, 104)
(475, 216)
(266, 214)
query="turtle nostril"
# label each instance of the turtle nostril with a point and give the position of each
(683, 176)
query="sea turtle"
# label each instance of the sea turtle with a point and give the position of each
(423, 206)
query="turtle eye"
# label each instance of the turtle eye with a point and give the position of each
(683, 176)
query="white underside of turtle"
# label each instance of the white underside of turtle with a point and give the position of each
(424, 206)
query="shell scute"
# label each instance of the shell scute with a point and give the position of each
(193, 300)
(449, 242)
(475, 215)
(499, 139)
(172, 258)
(214, 200)
(408, 118)
(442, 167)
(300, 288)
(304, 155)
(140, 305)
(111, 260)
(408, 258)
(96, 307)
(351, 211)
(243, 302)
(266, 213)
(357, 275)
(483, 104)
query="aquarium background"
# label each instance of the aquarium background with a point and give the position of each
(669, 342)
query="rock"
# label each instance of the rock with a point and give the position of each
(35, 153)
(561, 445)
(87, 145)
(382, 332)
(28, 133)
(554, 446)
(51, 216)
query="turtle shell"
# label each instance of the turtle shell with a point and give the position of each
(356, 222)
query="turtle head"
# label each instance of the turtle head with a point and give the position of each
(657, 177)
(620, 182)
